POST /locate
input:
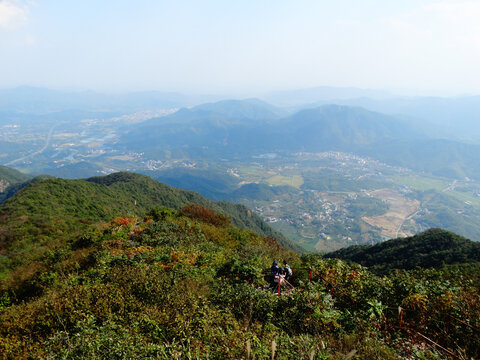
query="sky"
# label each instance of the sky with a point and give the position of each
(247, 47)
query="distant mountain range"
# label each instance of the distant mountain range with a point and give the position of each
(35, 100)
(419, 132)
(252, 109)
(301, 97)
(233, 130)
(329, 127)
(456, 118)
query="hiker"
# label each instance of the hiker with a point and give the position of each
(287, 270)
(279, 278)
(274, 270)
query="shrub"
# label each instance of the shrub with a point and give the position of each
(198, 212)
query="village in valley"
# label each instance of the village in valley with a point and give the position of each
(323, 201)
(332, 199)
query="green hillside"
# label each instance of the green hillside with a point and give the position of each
(188, 285)
(53, 208)
(432, 248)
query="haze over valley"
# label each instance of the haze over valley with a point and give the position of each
(327, 176)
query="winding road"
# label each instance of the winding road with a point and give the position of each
(47, 142)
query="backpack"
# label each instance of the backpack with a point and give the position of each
(288, 270)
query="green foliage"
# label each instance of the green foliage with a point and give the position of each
(184, 285)
(11, 181)
(49, 212)
(162, 213)
(432, 248)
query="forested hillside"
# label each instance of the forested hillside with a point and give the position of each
(430, 249)
(54, 208)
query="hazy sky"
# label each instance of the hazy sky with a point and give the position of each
(242, 46)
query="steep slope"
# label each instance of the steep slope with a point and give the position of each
(52, 206)
(12, 176)
(13, 189)
(432, 248)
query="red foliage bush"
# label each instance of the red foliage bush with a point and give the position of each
(121, 222)
(198, 212)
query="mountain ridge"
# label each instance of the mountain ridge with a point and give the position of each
(102, 199)
(195, 130)
(430, 249)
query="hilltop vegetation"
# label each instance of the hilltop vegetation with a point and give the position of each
(188, 284)
(53, 209)
(430, 249)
